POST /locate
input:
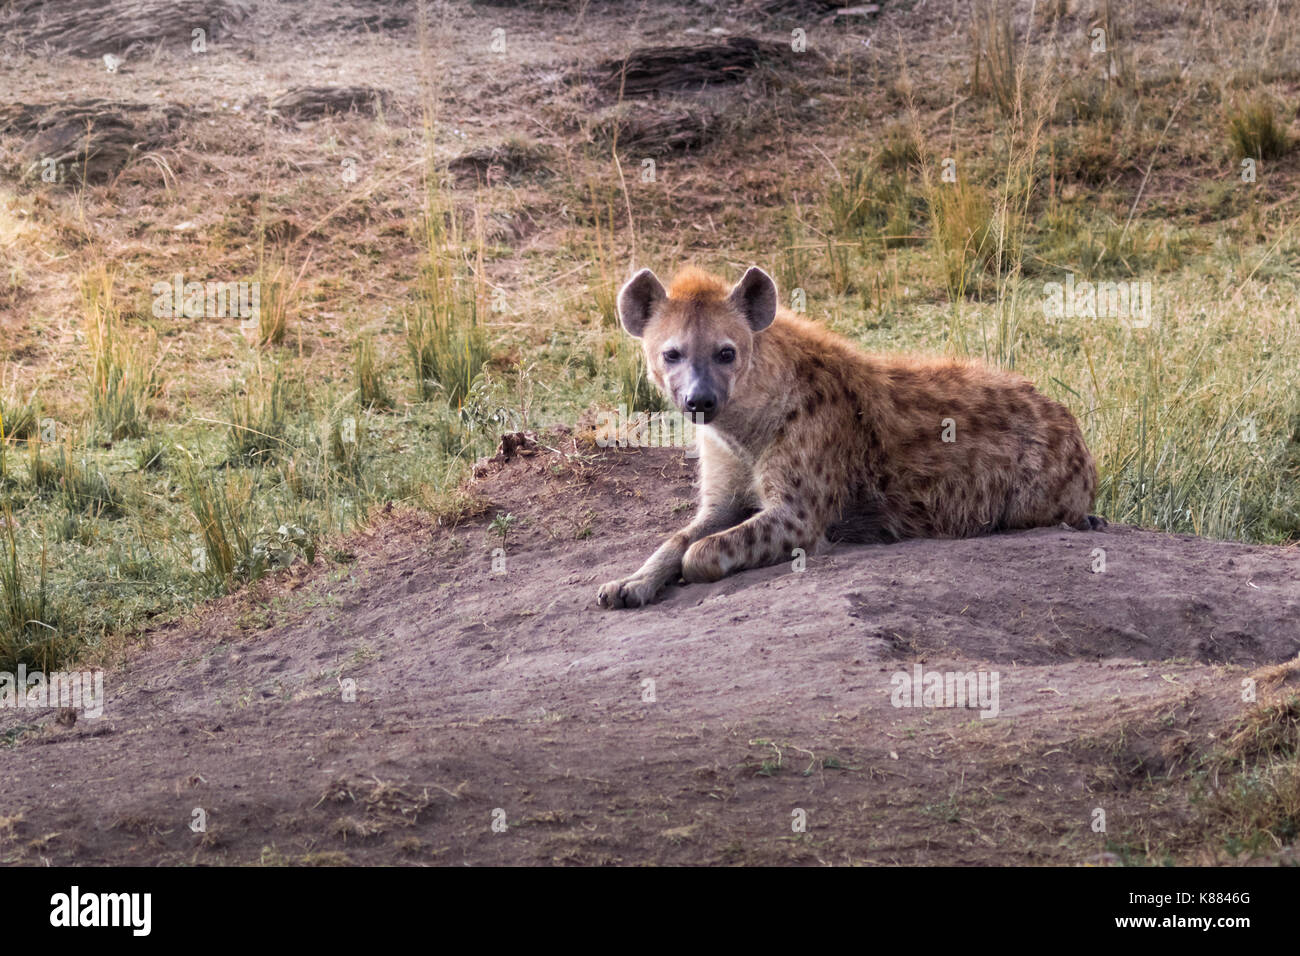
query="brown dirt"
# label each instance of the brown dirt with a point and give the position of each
(480, 691)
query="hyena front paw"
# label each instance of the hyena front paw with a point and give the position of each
(627, 592)
(701, 563)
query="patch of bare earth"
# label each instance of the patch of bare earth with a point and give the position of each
(693, 731)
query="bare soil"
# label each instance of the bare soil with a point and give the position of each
(507, 695)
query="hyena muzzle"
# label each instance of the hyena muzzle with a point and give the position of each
(804, 437)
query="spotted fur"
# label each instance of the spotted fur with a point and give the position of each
(813, 438)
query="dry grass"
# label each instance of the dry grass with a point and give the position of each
(993, 57)
(31, 629)
(1256, 132)
(1249, 792)
(124, 373)
(372, 393)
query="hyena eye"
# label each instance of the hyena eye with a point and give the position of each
(727, 355)
(672, 355)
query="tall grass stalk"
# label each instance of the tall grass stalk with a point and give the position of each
(225, 535)
(30, 631)
(444, 335)
(122, 377)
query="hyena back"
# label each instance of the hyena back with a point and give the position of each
(804, 436)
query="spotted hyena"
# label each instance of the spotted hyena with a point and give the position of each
(807, 437)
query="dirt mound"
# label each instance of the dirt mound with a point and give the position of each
(502, 162)
(449, 679)
(97, 27)
(366, 18)
(652, 131)
(88, 140)
(660, 69)
(812, 8)
(313, 102)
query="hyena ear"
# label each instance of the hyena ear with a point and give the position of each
(637, 301)
(755, 297)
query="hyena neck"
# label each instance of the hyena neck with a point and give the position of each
(716, 444)
(746, 426)
(754, 416)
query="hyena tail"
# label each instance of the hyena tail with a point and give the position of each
(1092, 523)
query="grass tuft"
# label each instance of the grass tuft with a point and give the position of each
(258, 421)
(122, 379)
(447, 343)
(368, 376)
(636, 390)
(961, 223)
(225, 552)
(1255, 132)
(993, 62)
(30, 631)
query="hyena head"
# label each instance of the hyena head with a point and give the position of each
(698, 335)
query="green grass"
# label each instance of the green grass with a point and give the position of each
(447, 347)
(1192, 422)
(31, 631)
(123, 376)
(221, 511)
(873, 208)
(69, 479)
(1255, 132)
(636, 390)
(82, 488)
(19, 419)
(151, 455)
(444, 333)
(258, 420)
(962, 228)
(372, 393)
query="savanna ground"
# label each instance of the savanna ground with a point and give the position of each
(438, 203)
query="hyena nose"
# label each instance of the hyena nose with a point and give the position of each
(703, 402)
